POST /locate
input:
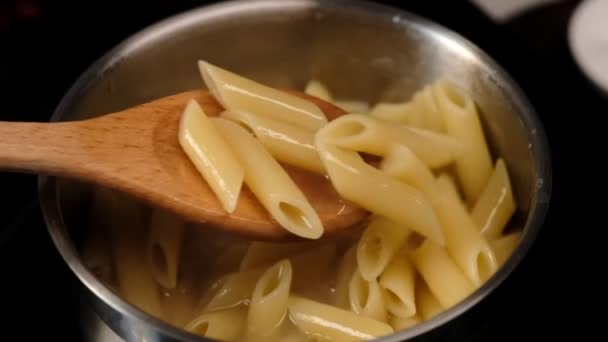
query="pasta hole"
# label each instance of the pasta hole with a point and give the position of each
(363, 293)
(159, 259)
(271, 284)
(294, 215)
(485, 267)
(414, 241)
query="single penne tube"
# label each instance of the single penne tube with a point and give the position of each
(269, 182)
(366, 298)
(397, 286)
(211, 155)
(495, 204)
(444, 278)
(262, 254)
(134, 277)
(166, 232)
(425, 102)
(225, 325)
(465, 244)
(473, 164)
(268, 304)
(348, 266)
(290, 144)
(240, 94)
(363, 133)
(233, 289)
(504, 246)
(376, 191)
(428, 306)
(394, 112)
(400, 323)
(317, 89)
(401, 163)
(380, 241)
(318, 319)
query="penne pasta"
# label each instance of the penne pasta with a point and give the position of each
(134, 278)
(504, 246)
(366, 298)
(239, 94)
(424, 101)
(290, 144)
(269, 299)
(428, 306)
(233, 290)
(445, 280)
(495, 204)
(394, 112)
(474, 164)
(163, 247)
(272, 186)
(464, 242)
(211, 155)
(363, 133)
(225, 325)
(397, 285)
(318, 90)
(348, 266)
(376, 191)
(377, 246)
(322, 320)
(400, 323)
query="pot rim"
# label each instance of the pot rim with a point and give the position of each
(539, 204)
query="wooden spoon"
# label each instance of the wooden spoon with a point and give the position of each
(137, 151)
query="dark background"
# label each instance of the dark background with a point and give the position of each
(45, 45)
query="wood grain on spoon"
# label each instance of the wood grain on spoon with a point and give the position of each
(137, 151)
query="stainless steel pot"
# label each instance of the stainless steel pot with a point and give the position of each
(361, 50)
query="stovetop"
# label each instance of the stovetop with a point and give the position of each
(45, 45)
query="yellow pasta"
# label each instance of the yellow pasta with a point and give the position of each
(363, 133)
(234, 289)
(163, 247)
(474, 164)
(504, 246)
(394, 112)
(366, 298)
(443, 277)
(397, 285)
(331, 323)
(348, 266)
(211, 156)
(377, 246)
(428, 306)
(464, 242)
(495, 204)
(317, 89)
(352, 106)
(425, 102)
(272, 186)
(239, 94)
(225, 325)
(269, 299)
(400, 323)
(290, 144)
(376, 191)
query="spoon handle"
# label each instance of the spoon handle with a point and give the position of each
(33, 147)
